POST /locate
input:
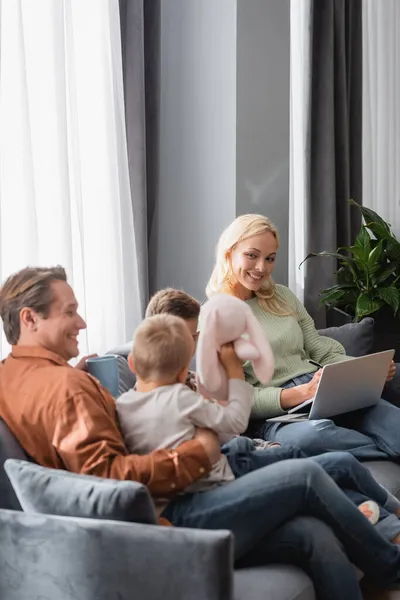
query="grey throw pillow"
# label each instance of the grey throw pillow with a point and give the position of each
(122, 350)
(357, 338)
(57, 492)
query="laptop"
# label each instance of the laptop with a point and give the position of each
(344, 387)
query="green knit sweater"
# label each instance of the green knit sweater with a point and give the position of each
(294, 340)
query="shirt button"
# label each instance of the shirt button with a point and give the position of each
(202, 470)
(173, 486)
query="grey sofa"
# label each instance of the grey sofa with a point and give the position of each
(47, 557)
(51, 557)
(69, 558)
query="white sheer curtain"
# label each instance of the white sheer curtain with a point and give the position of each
(381, 109)
(300, 56)
(64, 183)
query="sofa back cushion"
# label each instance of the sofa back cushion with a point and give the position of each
(58, 492)
(9, 448)
(357, 338)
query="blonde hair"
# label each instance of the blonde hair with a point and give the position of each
(162, 348)
(222, 279)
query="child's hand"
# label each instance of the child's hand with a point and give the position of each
(230, 362)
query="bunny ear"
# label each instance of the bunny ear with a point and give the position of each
(264, 364)
(207, 363)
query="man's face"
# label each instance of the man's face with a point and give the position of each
(193, 325)
(59, 331)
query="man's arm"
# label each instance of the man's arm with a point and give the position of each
(88, 441)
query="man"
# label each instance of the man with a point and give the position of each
(61, 416)
(65, 419)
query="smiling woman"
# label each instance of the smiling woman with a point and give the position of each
(245, 260)
(253, 262)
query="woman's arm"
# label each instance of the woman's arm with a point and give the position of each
(266, 403)
(273, 402)
(322, 349)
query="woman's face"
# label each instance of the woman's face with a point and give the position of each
(252, 262)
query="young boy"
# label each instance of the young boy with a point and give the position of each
(162, 412)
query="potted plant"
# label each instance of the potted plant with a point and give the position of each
(367, 281)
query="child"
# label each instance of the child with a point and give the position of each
(162, 411)
(181, 304)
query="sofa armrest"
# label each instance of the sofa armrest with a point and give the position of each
(68, 558)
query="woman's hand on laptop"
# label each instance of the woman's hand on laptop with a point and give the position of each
(293, 396)
(392, 371)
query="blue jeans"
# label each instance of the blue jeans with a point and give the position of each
(350, 475)
(260, 509)
(369, 434)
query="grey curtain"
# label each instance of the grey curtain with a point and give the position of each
(140, 41)
(334, 139)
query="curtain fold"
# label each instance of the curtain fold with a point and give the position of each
(140, 39)
(300, 57)
(381, 109)
(335, 140)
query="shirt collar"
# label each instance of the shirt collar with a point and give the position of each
(38, 352)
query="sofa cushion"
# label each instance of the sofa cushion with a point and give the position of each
(357, 338)
(387, 473)
(274, 582)
(122, 349)
(57, 492)
(9, 448)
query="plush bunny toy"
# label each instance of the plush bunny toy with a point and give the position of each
(226, 319)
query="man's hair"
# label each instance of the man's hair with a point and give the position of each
(173, 302)
(29, 288)
(162, 348)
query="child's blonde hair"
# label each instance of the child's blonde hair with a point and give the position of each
(162, 348)
(222, 279)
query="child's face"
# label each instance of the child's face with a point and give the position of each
(193, 325)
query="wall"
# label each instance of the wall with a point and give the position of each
(262, 165)
(224, 131)
(197, 140)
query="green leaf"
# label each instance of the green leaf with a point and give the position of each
(366, 305)
(344, 275)
(384, 275)
(324, 254)
(374, 257)
(362, 243)
(393, 249)
(370, 216)
(332, 297)
(381, 232)
(340, 296)
(358, 253)
(390, 295)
